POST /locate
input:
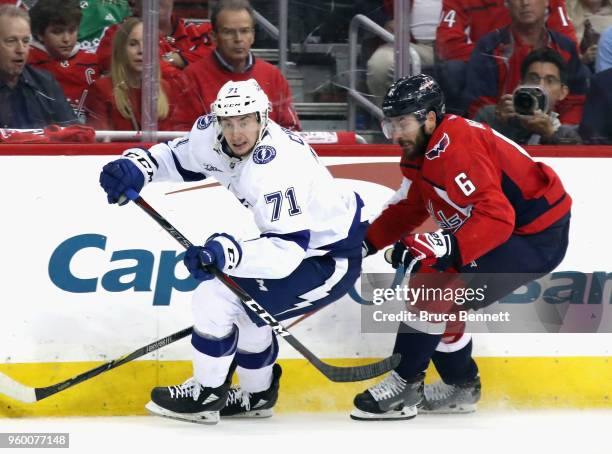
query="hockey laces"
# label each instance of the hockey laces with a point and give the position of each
(191, 388)
(238, 395)
(391, 386)
(438, 391)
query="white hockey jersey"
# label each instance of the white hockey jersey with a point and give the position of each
(297, 205)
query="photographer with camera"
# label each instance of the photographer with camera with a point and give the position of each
(529, 116)
(494, 68)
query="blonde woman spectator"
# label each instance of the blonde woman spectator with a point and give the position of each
(115, 101)
(591, 18)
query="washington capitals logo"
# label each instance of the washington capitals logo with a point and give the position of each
(438, 148)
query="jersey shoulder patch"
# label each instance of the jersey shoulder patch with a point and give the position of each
(438, 148)
(263, 154)
(204, 121)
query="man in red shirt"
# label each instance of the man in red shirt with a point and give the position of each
(234, 32)
(464, 22)
(500, 213)
(494, 69)
(55, 24)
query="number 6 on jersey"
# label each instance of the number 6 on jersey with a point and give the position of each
(465, 184)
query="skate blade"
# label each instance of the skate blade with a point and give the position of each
(453, 410)
(393, 415)
(204, 417)
(253, 414)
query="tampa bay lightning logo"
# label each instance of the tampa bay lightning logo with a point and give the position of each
(438, 148)
(264, 154)
(204, 121)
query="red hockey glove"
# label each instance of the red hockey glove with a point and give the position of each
(436, 249)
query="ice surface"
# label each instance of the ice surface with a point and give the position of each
(487, 431)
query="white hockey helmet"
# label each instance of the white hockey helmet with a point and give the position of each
(241, 98)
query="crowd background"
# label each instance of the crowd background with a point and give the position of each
(69, 67)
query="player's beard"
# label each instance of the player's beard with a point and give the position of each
(412, 149)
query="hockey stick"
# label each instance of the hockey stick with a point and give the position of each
(17, 391)
(333, 373)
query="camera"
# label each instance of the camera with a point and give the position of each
(528, 99)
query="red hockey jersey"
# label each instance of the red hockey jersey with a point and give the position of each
(207, 76)
(475, 183)
(102, 112)
(463, 22)
(75, 74)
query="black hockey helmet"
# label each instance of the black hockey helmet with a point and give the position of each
(416, 95)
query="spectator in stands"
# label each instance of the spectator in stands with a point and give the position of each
(545, 68)
(424, 16)
(463, 23)
(98, 16)
(54, 25)
(604, 51)
(114, 102)
(596, 125)
(233, 32)
(179, 43)
(494, 67)
(590, 19)
(29, 97)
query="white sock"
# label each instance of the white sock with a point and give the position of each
(255, 380)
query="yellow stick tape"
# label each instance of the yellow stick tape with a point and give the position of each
(542, 382)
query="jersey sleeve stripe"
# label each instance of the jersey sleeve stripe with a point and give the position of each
(301, 237)
(527, 210)
(187, 175)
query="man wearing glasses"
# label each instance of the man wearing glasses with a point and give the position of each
(233, 23)
(543, 68)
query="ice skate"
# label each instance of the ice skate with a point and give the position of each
(189, 402)
(394, 398)
(443, 398)
(242, 404)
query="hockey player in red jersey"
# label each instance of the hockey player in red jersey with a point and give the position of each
(499, 213)
(55, 24)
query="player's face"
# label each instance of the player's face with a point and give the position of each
(60, 40)
(14, 47)
(134, 48)
(405, 131)
(234, 35)
(527, 12)
(241, 132)
(547, 76)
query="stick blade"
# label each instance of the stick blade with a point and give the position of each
(360, 373)
(16, 390)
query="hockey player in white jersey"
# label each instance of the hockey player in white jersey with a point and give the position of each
(308, 254)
